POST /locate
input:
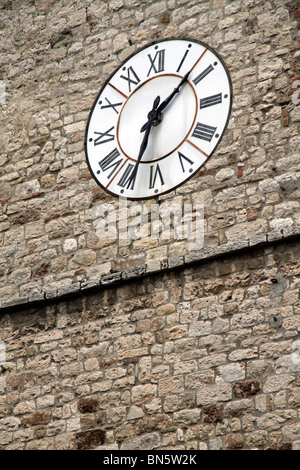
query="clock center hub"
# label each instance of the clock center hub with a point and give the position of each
(156, 117)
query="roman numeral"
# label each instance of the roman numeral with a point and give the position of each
(203, 74)
(128, 180)
(204, 132)
(111, 105)
(154, 175)
(109, 162)
(158, 62)
(210, 100)
(131, 77)
(182, 60)
(103, 137)
(181, 157)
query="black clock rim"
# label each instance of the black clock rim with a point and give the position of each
(179, 38)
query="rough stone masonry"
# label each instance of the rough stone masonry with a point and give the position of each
(141, 344)
(206, 357)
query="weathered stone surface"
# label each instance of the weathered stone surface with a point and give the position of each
(90, 439)
(88, 405)
(212, 413)
(135, 412)
(247, 388)
(146, 442)
(19, 381)
(110, 341)
(132, 357)
(234, 441)
(37, 417)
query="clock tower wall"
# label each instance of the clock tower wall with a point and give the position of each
(166, 322)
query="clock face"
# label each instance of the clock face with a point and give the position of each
(158, 119)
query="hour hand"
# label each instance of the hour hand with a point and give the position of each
(152, 115)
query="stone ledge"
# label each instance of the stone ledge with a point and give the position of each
(110, 278)
(177, 262)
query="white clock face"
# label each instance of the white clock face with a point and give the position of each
(137, 154)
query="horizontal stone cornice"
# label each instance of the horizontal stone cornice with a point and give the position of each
(286, 235)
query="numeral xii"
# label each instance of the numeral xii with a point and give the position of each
(157, 62)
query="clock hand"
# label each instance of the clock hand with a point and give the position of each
(152, 115)
(168, 99)
(171, 96)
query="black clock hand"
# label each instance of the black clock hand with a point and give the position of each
(168, 99)
(151, 117)
(171, 96)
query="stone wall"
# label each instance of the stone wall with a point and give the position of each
(58, 54)
(122, 343)
(206, 357)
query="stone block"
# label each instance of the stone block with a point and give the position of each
(90, 439)
(145, 442)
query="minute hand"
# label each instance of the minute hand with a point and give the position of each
(147, 128)
(168, 99)
(171, 96)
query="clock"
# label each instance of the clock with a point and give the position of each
(158, 118)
